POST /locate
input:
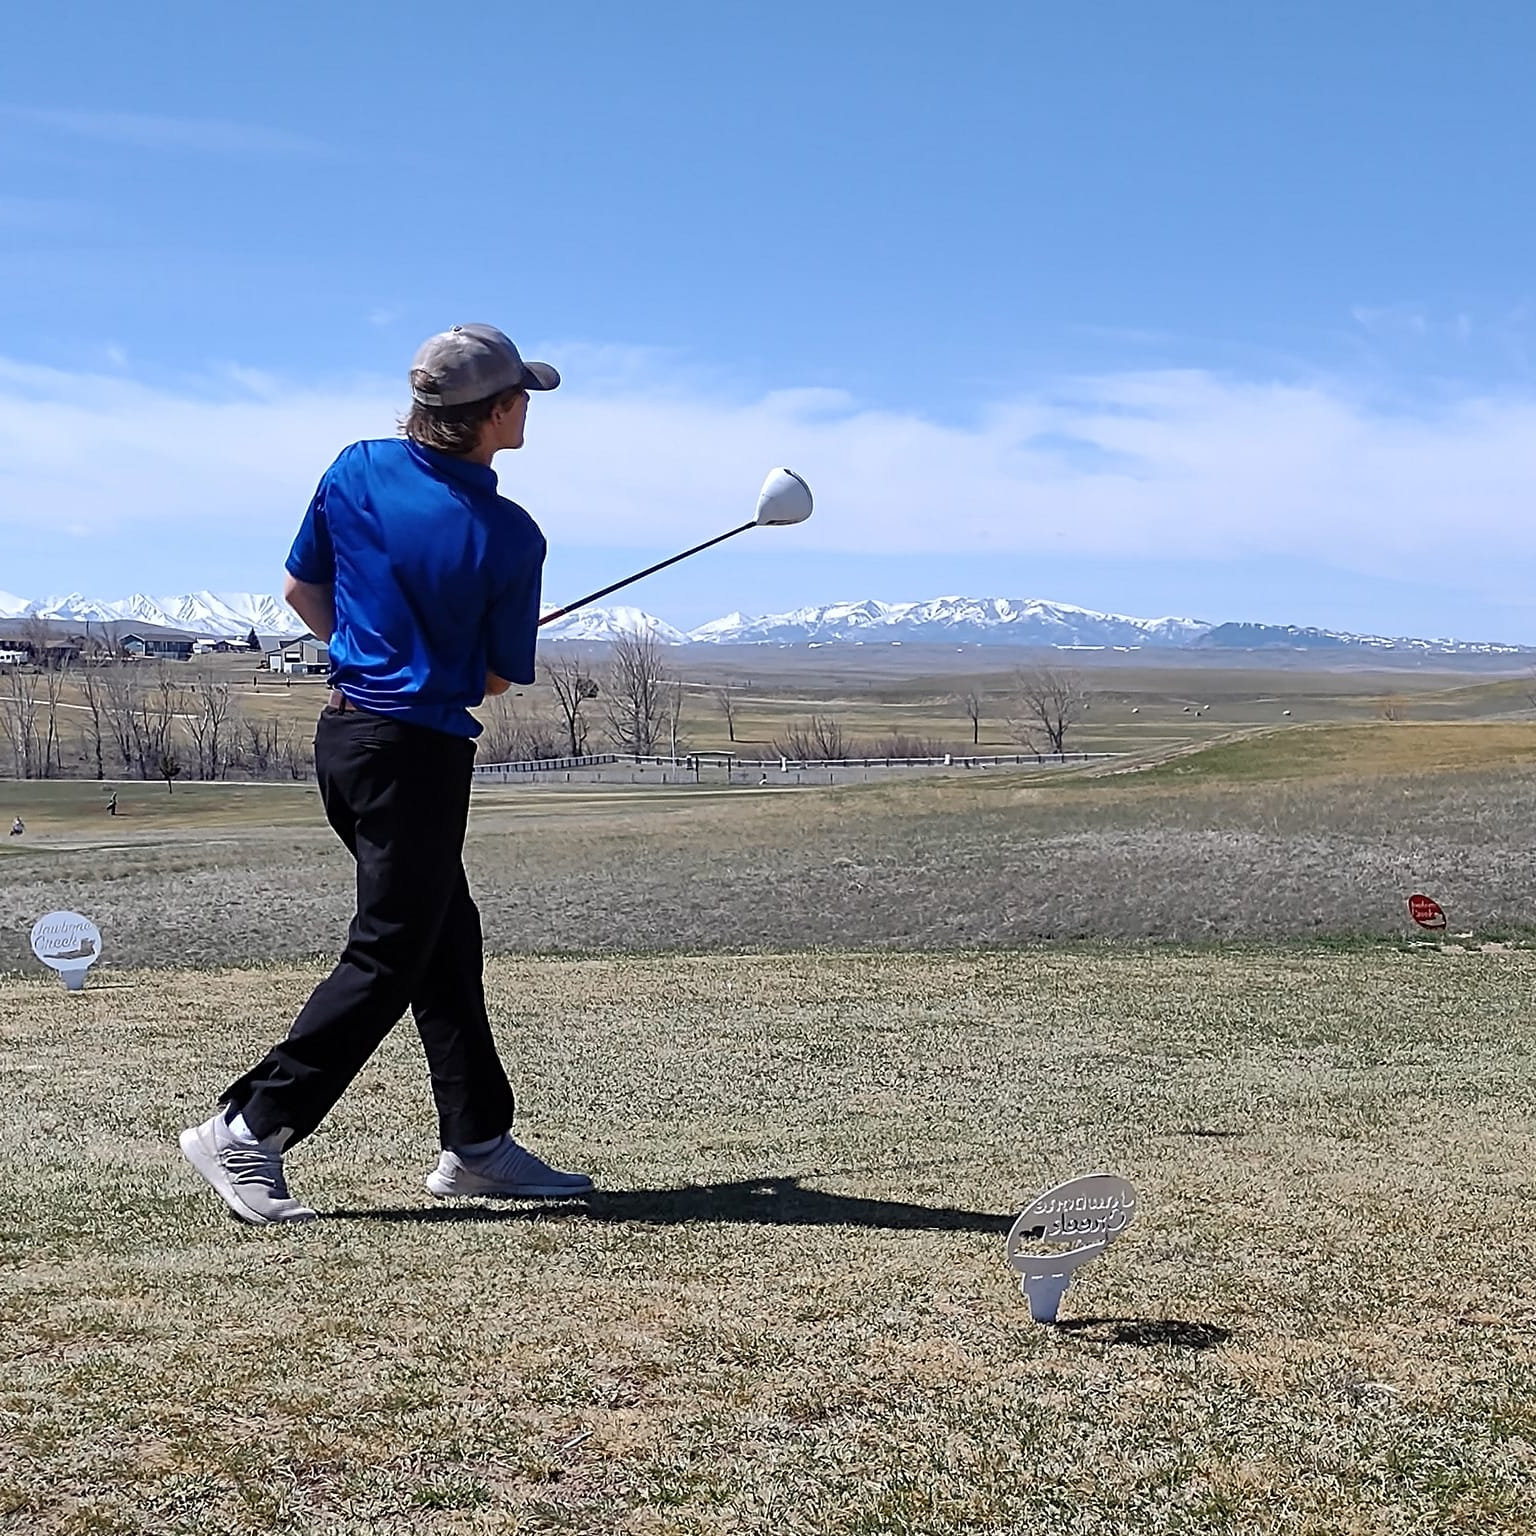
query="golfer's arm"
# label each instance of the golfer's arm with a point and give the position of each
(313, 603)
(495, 685)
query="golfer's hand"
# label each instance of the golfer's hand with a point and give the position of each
(495, 685)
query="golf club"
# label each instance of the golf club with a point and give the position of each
(785, 498)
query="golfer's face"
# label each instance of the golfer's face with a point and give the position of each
(512, 420)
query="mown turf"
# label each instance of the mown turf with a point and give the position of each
(790, 1313)
(1359, 752)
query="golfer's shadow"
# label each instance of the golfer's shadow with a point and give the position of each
(1146, 1332)
(771, 1202)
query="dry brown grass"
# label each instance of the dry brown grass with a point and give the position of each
(1146, 706)
(790, 1313)
(1297, 834)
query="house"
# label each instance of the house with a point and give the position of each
(12, 658)
(157, 643)
(306, 657)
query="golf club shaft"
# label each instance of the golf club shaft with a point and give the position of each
(650, 570)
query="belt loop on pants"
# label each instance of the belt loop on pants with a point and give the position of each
(341, 703)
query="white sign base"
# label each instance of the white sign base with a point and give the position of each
(1044, 1293)
(1087, 1213)
(67, 943)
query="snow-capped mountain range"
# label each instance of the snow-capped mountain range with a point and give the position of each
(939, 620)
(230, 614)
(968, 620)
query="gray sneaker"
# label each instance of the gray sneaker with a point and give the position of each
(509, 1171)
(247, 1177)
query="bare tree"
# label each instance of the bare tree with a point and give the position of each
(575, 688)
(634, 698)
(820, 738)
(1048, 701)
(50, 660)
(674, 712)
(971, 702)
(725, 702)
(121, 685)
(517, 733)
(298, 756)
(211, 722)
(263, 747)
(19, 700)
(142, 707)
(163, 703)
(93, 689)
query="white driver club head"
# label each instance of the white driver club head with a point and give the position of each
(785, 498)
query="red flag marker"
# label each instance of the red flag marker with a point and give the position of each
(1426, 912)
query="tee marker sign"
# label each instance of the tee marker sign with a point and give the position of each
(67, 943)
(1085, 1215)
(1426, 912)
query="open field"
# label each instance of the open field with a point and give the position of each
(790, 1311)
(1138, 704)
(1301, 833)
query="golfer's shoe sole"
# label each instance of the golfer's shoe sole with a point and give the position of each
(204, 1157)
(446, 1188)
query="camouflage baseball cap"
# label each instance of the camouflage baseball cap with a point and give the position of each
(473, 362)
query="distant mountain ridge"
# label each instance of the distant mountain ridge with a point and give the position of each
(230, 615)
(1269, 637)
(947, 620)
(868, 621)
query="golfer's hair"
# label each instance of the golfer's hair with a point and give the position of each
(450, 428)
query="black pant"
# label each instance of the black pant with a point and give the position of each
(398, 797)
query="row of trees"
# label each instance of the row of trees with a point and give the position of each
(138, 719)
(98, 717)
(632, 703)
(1039, 707)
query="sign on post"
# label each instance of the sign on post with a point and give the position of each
(1081, 1217)
(1426, 912)
(67, 943)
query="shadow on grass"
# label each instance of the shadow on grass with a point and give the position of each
(1147, 1332)
(773, 1202)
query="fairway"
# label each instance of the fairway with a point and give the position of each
(790, 1310)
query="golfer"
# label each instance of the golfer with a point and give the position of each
(425, 582)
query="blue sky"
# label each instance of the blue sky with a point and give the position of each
(1191, 308)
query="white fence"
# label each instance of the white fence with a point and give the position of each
(549, 765)
(695, 763)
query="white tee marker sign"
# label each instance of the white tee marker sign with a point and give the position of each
(1083, 1217)
(67, 943)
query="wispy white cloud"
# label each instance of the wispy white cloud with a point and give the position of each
(147, 130)
(1165, 465)
(1391, 319)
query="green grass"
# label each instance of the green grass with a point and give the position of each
(789, 1311)
(71, 809)
(1357, 751)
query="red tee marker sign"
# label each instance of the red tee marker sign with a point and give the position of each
(1426, 912)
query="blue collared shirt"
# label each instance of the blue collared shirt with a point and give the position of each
(436, 580)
